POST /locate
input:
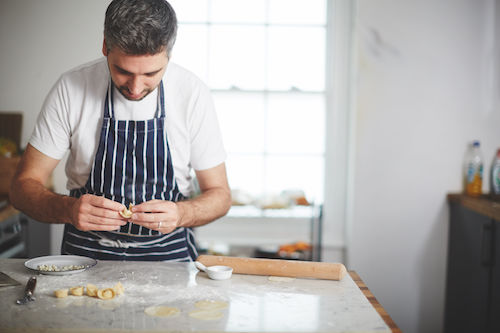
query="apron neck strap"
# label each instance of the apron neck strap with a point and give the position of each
(109, 109)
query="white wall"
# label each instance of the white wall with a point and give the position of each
(424, 89)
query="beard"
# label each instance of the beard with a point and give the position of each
(126, 93)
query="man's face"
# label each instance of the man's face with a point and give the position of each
(135, 76)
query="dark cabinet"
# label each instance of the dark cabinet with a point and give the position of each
(473, 268)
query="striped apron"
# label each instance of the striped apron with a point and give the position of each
(132, 165)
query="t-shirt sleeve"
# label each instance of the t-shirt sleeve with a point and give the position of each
(52, 132)
(207, 148)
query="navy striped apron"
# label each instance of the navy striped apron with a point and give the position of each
(132, 165)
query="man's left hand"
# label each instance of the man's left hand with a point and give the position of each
(161, 215)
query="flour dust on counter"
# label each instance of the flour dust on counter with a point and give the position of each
(243, 303)
(162, 311)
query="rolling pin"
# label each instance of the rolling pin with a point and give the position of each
(277, 267)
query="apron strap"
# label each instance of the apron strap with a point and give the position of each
(109, 108)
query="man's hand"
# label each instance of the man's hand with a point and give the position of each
(96, 213)
(164, 216)
(213, 202)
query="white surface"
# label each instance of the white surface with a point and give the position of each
(424, 91)
(255, 304)
(60, 261)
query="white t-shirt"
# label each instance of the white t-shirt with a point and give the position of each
(72, 114)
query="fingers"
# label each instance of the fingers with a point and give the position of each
(92, 212)
(102, 202)
(156, 215)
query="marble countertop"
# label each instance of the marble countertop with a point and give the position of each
(255, 303)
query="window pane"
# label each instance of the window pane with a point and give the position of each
(238, 11)
(296, 58)
(237, 57)
(300, 172)
(297, 12)
(190, 10)
(296, 123)
(245, 172)
(190, 49)
(242, 121)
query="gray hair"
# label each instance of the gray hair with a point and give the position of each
(140, 27)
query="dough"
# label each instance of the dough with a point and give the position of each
(91, 290)
(280, 279)
(108, 293)
(118, 288)
(127, 213)
(208, 310)
(162, 311)
(210, 305)
(61, 293)
(206, 314)
(76, 291)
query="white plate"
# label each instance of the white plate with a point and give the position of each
(60, 261)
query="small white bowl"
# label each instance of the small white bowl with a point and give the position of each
(215, 272)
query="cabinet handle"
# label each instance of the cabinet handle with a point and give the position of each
(487, 245)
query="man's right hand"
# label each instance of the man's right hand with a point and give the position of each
(91, 212)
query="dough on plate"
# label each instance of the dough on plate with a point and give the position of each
(161, 311)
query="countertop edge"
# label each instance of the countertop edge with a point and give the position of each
(373, 301)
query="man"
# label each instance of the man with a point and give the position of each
(134, 125)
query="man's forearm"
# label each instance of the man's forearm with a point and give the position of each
(205, 208)
(36, 201)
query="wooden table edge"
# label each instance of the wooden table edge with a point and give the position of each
(373, 301)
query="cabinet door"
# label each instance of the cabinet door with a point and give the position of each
(468, 272)
(495, 283)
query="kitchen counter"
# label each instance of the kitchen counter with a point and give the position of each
(255, 303)
(481, 205)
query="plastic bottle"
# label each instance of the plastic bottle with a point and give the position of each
(495, 177)
(473, 177)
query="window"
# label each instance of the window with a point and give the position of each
(264, 61)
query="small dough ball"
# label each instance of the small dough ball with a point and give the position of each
(61, 293)
(127, 213)
(108, 293)
(76, 291)
(161, 311)
(91, 290)
(118, 288)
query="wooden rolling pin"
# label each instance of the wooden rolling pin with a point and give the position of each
(276, 267)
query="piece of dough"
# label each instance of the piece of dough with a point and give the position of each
(162, 311)
(210, 305)
(91, 290)
(61, 293)
(206, 314)
(118, 288)
(76, 291)
(280, 279)
(108, 293)
(127, 213)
